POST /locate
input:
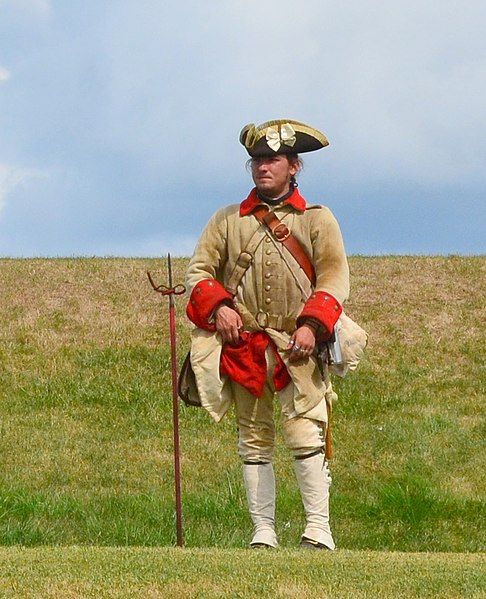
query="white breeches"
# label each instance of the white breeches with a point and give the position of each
(304, 434)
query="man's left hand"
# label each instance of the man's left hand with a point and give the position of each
(302, 344)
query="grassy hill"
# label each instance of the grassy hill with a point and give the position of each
(86, 424)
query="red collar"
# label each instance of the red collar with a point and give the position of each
(252, 201)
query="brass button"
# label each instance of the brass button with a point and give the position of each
(267, 240)
(268, 263)
(268, 252)
(268, 301)
(267, 275)
(267, 287)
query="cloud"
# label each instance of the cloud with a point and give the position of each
(4, 74)
(135, 112)
(12, 177)
(404, 81)
(402, 87)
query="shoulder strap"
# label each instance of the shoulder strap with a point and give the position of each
(281, 233)
(243, 262)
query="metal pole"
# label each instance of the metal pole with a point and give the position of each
(171, 292)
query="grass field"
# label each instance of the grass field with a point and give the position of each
(149, 573)
(86, 428)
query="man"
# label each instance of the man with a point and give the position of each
(263, 294)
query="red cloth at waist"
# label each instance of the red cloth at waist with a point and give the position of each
(246, 364)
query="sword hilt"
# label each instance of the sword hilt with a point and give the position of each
(164, 289)
(170, 289)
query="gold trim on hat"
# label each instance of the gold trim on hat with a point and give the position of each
(254, 134)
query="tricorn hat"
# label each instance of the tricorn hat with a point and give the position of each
(281, 137)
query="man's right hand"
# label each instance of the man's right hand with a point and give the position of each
(228, 324)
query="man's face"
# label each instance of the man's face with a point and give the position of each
(272, 175)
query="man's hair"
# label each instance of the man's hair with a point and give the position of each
(295, 158)
(292, 158)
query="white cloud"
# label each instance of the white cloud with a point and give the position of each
(12, 177)
(4, 74)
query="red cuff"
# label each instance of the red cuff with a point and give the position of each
(205, 296)
(323, 307)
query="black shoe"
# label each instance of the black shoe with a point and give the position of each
(306, 543)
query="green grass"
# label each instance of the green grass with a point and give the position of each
(86, 422)
(98, 573)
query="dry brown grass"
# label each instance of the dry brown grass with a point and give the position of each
(443, 297)
(96, 302)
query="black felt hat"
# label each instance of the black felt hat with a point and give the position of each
(281, 137)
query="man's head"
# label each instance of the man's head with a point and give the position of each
(273, 175)
(274, 147)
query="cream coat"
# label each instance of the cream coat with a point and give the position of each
(270, 294)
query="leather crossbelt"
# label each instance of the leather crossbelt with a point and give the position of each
(281, 233)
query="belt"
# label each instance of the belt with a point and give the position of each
(263, 320)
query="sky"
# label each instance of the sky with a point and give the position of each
(119, 120)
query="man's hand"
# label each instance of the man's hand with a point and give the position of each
(302, 343)
(228, 324)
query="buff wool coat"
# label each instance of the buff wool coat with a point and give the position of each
(238, 259)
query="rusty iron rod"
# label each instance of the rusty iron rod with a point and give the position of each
(172, 292)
